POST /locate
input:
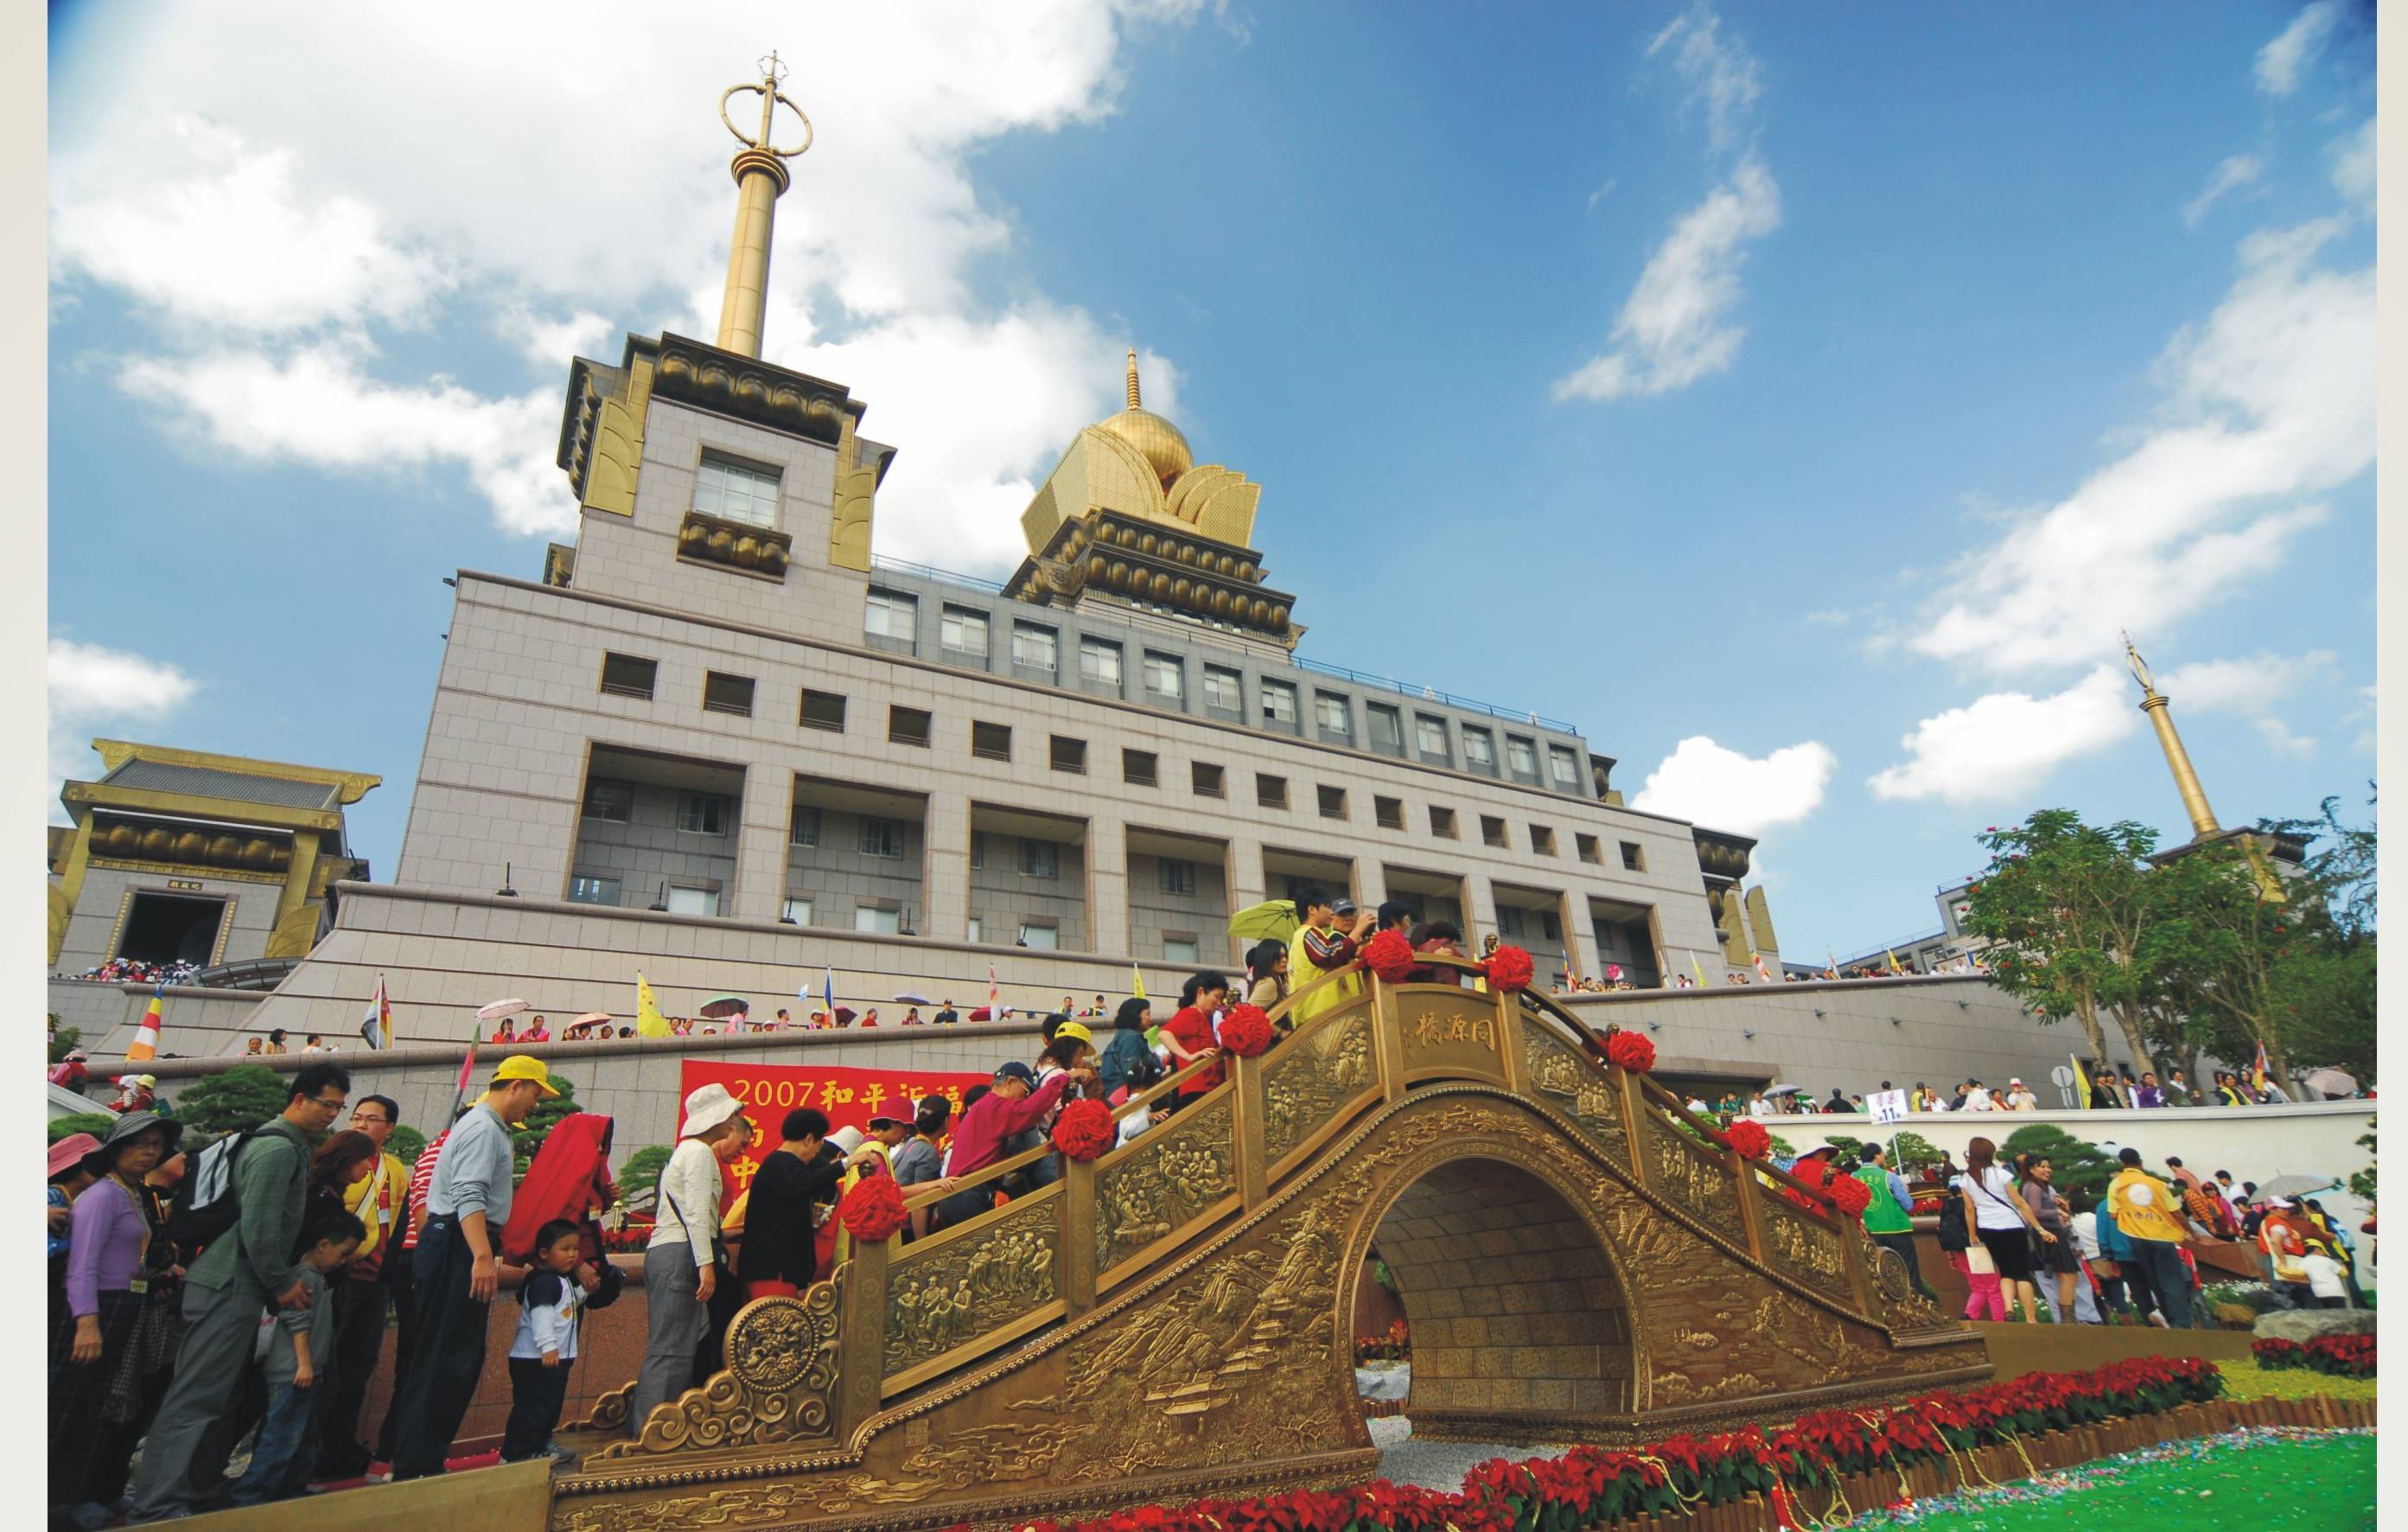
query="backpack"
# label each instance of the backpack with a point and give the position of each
(206, 1206)
(1141, 1066)
(1953, 1232)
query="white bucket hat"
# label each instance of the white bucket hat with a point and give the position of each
(706, 1109)
(847, 1138)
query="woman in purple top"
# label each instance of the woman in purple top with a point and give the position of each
(101, 1358)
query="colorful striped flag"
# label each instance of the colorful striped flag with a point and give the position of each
(827, 994)
(467, 1072)
(146, 1035)
(376, 1027)
(2257, 1066)
(1761, 971)
(994, 995)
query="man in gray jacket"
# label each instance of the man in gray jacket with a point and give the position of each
(243, 1272)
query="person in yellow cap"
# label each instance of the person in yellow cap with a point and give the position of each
(1068, 1046)
(467, 1203)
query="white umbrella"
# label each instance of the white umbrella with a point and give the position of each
(1784, 1089)
(2330, 1082)
(909, 998)
(501, 1009)
(2295, 1187)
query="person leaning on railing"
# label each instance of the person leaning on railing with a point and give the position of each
(1011, 1105)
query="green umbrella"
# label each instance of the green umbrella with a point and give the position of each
(1273, 917)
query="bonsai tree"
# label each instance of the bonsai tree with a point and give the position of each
(642, 1171)
(243, 1097)
(2080, 1166)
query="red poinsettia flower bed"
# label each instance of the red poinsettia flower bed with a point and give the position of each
(1591, 1485)
(2337, 1356)
(1393, 1346)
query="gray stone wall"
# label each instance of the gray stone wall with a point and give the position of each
(1003, 897)
(1157, 913)
(94, 927)
(650, 849)
(839, 876)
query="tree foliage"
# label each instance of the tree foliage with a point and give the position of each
(2064, 911)
(642, 1171)
(405, 1144)
(95, 1123)
(62, 1039)
(2080, 1166)
(2361, 1182)
(243, 1097)
(529, 1135)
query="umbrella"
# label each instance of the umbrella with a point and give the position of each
(2295, 1187)
(910, 998)
(2330, 1082)
(591, 1017)
(1274, 918)
(982, 1014)
(844, 1015)
(1783, 1089)
(725, 1007)
(501, 1009)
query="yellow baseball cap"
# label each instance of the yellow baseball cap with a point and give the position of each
(1076, 1032)
(525, 1066)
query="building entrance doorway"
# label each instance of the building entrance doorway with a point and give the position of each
(172, 928)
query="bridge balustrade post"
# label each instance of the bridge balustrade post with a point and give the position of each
(1852, 1251)
(1254, 1174)
(1634, 1126)
(1075, 1259)
(1388, 1037)
(861, 1336)
(1751, 1215)
(1509, 1039)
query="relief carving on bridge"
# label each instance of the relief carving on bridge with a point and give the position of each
(1170, 1175)
(1559, 1073)
(965, 1287)
(1450, 1032)
(1701, 1185)
(1804, 1250)
(1306, 1082)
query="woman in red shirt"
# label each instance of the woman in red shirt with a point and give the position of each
(1189, 1032)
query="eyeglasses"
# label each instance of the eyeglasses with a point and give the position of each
(371, 1118)
(333, 1106)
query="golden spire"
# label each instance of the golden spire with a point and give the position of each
(2153, 703)
(1132, 379)
(760, 172)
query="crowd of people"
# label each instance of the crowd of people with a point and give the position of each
(134, 971)
(2108, 1090)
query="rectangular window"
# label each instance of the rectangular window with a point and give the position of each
(1521, 758)
(803, 826)
(1429, 737)
(735, 492)
(883, 838)
(1139, 768)
(978, 849)
(908, 726)
(629, 675)
(1181, 950)
(693, 901)
(610, 799)
(1550, 927)
(1492, 831)
(963, 632)
(1333, 803)
(1032, 649)
(991, 741)
(1178, 877)
(1565, 767)
(1270, 791)
(1335, 716)
(594, 891)
(1587, 847)
(823, 710)
(1479, 750)
(892, 616)
(1387, 728)
(1509, 920)
(1039, 858)
(795, 912)
(1070, 754)
(1442, 822)
(1542, 841)
(870, 919)
(1165, 676)
(1634, 859)
(1223, 689)
(1389, 812)
(724, 693)
(978, 929)
(1208, 778)
(702, 814)
(1099, 662)
(1041, 937)
(1279, 703)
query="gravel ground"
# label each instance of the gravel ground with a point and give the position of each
(1436, 1465)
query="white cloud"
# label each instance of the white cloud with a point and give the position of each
(2251, 685)
(1722, 76)
(318, 407)
(1676, 327)
(2280, 739)
(1719, 787)
(92, 688)
(548, 343)
(2352, 166)
(2235, 172)
(1601, 193)
(2281, 63)
(2269, 402)
(2003, 746)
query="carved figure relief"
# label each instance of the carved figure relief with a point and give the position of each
(1687, 1176)
(1171, 1176)
(1306, 1082)
(1557, 1070)
(965, 1287)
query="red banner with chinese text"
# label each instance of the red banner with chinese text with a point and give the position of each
(850, 1097)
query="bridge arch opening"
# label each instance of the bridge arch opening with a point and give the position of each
(1515, 1319)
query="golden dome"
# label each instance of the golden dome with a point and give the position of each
(1166, 451)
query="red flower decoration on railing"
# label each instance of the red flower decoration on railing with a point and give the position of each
(1749, 1137)
(1390, 956)
(1631, 1051)
(1850, 1196)
(1246, 1031)
(873, 1211)
(1509, 969)
(1084, 1130)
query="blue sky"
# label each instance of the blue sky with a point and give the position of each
(1798, 400)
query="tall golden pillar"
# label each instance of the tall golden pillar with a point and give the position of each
(761, 179)
(2153, 703)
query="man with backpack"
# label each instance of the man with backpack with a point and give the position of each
(243, 1214)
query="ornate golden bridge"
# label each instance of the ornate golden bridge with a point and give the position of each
(1174, 1318)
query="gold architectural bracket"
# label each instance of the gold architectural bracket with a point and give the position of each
(780, 1380)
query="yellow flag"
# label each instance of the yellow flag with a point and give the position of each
(1137, 983)
(1893, 962)
(650, 1022)
(2080, 1085)
(1696, 968)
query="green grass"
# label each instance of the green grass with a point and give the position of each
(2321, 1484)
(2248, 1381)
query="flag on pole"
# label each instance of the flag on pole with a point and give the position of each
(467, 1072)
(1699, 969)
(145, 1036)
(376, 1027)
(827, 994)
(650, 1022)
(1137, 983)
(2081, 1084)
(2257, 1066)
(994, 993)
(1893, 962)
(1831, 962)
(1761, 971)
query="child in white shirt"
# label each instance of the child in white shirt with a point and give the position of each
(2324, 1279)
(546, 1343)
